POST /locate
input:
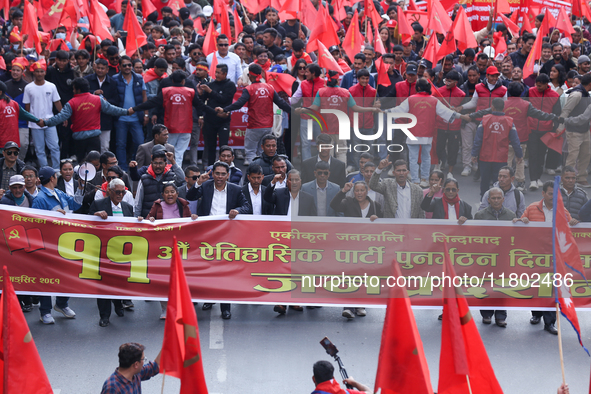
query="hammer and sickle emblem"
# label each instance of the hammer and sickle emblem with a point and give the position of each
(57, 7)
(14, 234)
(415, 17)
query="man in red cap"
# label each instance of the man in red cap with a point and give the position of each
(485, 91)
(15, 89)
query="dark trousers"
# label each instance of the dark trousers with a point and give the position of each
(67, 143)
(82, 147)
(489, 172)
(104, 306)
(540, 154)
(211, 133)
(549, 316)
(399, 138)
(448, 146)
(499, 315)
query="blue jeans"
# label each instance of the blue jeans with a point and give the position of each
(305, 143)
(47, 136)
(413, 152)
(45, 304)
(137, 137)
(180, 141)
(252, 141)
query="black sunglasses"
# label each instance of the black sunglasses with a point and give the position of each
(11, 152)
(223, 45)
(301, 68)
(195, 177)
(126, 65)
(110, 178)
(322, 172)
(119, 192)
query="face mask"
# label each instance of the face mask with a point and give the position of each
(260, 41)
(15, 46)
(60, 35)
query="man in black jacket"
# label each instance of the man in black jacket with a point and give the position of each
(103, 85)
(265, 160)
(337, 167)
(218, 93)
(113, 205)
(254, 190)
(9, 165)
(290, 200)
(62, 75)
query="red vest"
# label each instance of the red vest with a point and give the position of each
(309, 90)
(423, 106)
(485, 96)
(364, 97)
(86, 112)
(404, 90)
(333, 98)
(260, 105)
(454, 98)
(495, 138)
(516, 108)
(178, 109)
(544, 102)
(9, 122)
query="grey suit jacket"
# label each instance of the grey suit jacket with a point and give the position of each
(331, 190)
(144, 153)
(390, 192)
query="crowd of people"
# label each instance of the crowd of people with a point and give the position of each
(138, 120)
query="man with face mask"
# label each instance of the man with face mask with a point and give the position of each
(557, 58)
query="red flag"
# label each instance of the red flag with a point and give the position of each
(176, 5)
(553, 140)
(448, 46)
(326, 60)
(339, 10)
(147, 8)
(463, 363)
(292, 6)
(30, 27)
(463, 31)
(566, 253)
(70, 16)
(511, 26)
(16, 238)
(136, 37)
(563, 24)
(50, 16)
(210, 43)
(223, 18)
(549, 21)
(420, 17)
(181, 348)
(21, 368)
(535, 53)
(322, 31)
(198, 26)
(58, 45)
(378, 44)
(402, 366)
(382, 68)
(99, 21)
(214, 64)
(353, 38)
(412, 6)
(439, 20)
(499, 42)
(281, 82)
(404, 29)
(502, 7)
(369, 11)
(308, 14)
(237, 24)
(431, 49)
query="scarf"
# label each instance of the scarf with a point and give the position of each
(151, 170)
(455, 202)
(151, 75)
(305, 56)
(265, 66)
(19, 201)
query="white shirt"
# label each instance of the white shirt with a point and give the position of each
(233, 62)
(219, 201)
(294, 205)
(70, 190)
(257, 201)
(41, 98)
(547, 213)
(282, 184)
(451, 212)
(365, 210)
(403, 209)
(117, 209)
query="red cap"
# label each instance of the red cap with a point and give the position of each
(391, 24)
(492, 70)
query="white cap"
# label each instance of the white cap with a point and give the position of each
(565, 42)
(207, 11)
(489, 51)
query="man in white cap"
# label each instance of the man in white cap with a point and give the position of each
(17, 195)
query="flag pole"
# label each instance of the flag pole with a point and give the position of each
(163, 376)
(560, 342)
(469, 386)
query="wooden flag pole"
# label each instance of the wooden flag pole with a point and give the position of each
(469, 387)
(560, 341)
(163, 376)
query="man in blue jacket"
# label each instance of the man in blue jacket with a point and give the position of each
(52, 199)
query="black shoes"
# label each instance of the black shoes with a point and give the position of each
(226, 315)
(127, 304)
(206, 307)
(104, 322)
(279, 309)
(119, 312)
(486, 320)
(551, 329)
(535, 320)
(27, 307)
(501, 323)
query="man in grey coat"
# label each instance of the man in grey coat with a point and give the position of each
(402, 199)
(496, 210)
(513, 198)
(322, 190)
(573, 196)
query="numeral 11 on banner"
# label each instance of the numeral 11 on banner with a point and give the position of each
(87, 248)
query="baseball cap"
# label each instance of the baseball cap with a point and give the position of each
(45, 174)
(333, 48)
(207, 11)
(16, 180)
(11, 144)
(583, 59)
(411, 69)
(489, 51)
(391, 24)
(423, 63)
(184, 13)
(158, 148)
(492, 70)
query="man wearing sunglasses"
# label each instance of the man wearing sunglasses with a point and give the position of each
(10, 165)
(228, 58)
(192, 173)
(322, 190)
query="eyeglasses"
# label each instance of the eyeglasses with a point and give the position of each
(126, 65)
(323, 172)
(119, 192)
(223, 45)
(30, 176)
(451, 190)
(11, 152)
(301, 68)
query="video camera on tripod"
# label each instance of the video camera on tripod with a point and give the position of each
(332, 351)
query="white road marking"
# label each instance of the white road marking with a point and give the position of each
(216, 334)
(222, 373)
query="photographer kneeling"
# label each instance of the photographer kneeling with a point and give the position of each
(326, 384)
